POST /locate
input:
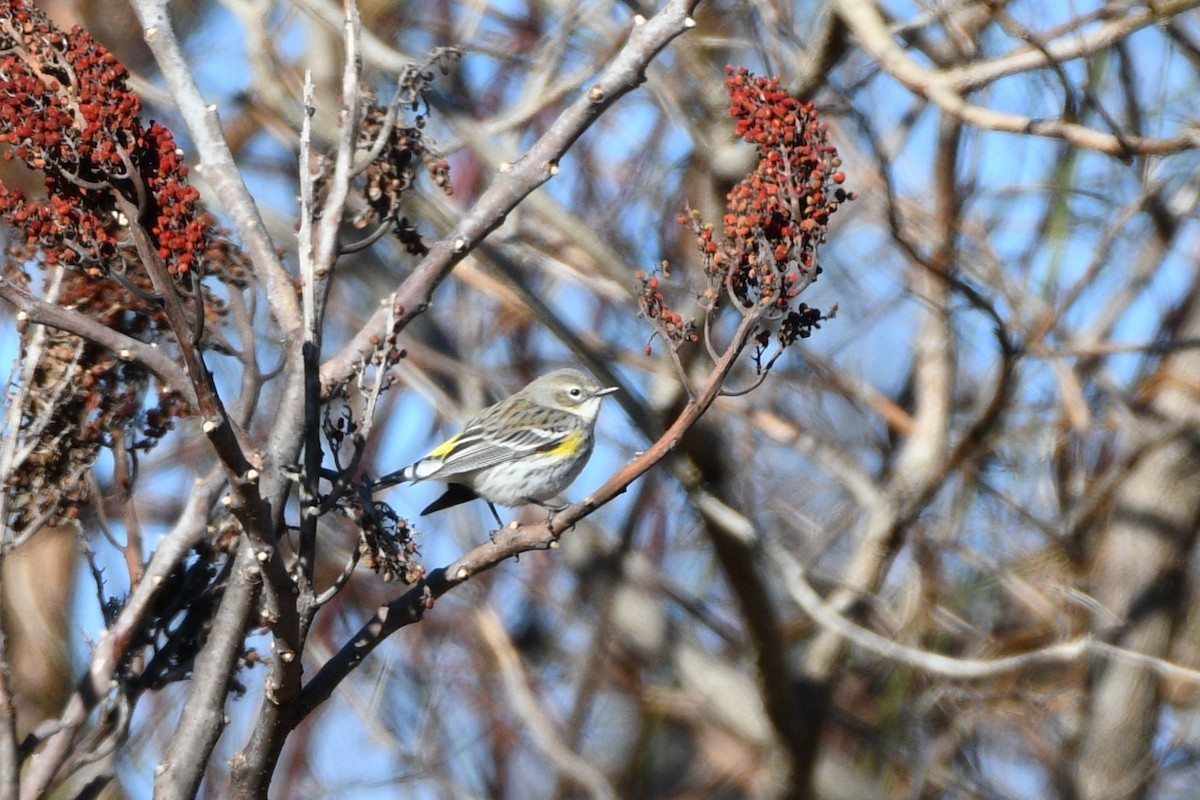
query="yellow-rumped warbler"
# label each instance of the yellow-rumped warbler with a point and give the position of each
(525, 449)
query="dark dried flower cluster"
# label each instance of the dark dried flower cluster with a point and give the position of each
(80, 397)
(66, 110)
(393, 170)
(776, 217)
(799, 322)
(386, 544)
(178, 622)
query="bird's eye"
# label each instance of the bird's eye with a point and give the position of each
(575, 392)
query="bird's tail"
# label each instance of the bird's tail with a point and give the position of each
(392, 478)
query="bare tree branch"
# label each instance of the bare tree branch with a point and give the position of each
(868, 25)
(623, 74)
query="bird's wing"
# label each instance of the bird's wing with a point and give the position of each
(480, 445)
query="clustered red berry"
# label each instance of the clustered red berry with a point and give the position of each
(778, 215)
(765, 252)
(66, 111)
(178, 227)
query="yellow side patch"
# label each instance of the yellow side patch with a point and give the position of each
(568, 446)
(443, 449)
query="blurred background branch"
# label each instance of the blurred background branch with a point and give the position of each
(945, 548)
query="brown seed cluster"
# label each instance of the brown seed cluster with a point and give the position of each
(394, 169)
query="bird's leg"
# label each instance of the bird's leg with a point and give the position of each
(551, 508)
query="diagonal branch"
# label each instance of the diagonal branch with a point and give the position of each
(514, 540)
(796, 583)
(526, 706)
(125, 347)
(216, 161)
(226, 439)
(512, 185)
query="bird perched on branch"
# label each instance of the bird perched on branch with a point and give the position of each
(527, 448)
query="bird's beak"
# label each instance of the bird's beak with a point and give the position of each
(609, 390)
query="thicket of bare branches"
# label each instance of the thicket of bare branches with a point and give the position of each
(899, 499)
